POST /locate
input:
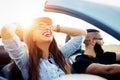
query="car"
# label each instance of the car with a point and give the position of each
(102, 16)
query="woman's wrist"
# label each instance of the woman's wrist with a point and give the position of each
(57, 28)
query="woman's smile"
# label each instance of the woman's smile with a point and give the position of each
(47, 33)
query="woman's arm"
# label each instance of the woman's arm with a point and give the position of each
(71, 46)
(12, 44)
(70, 31)
(74, 43)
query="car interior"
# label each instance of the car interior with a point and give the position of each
(9, 69)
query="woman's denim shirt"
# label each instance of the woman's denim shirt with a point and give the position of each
(48, 69)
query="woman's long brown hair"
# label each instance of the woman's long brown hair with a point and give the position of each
(35, 54)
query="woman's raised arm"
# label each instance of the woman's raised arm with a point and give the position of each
(70, 31)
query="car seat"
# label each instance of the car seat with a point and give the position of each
(11, 72)
(4, 57)
(2, 78)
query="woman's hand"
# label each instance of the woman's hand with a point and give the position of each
(8, 31)
(56, 28)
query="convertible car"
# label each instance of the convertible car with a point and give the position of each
(105, 17)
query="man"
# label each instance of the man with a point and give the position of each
(95, 60)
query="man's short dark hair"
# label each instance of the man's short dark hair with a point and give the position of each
(91, 33)
(92, 30)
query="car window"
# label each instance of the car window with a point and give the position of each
(102, 14)
(66, 20)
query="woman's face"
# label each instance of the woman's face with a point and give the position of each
(42, 33)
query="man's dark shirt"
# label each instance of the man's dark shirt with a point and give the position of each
(83, 61)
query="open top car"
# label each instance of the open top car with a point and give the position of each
(102, 16)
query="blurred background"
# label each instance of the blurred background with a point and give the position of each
(24, 11)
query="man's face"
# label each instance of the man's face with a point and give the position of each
(98, 49)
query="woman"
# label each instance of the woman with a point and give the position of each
(43, 60)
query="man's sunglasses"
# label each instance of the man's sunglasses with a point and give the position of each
(98, 38)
